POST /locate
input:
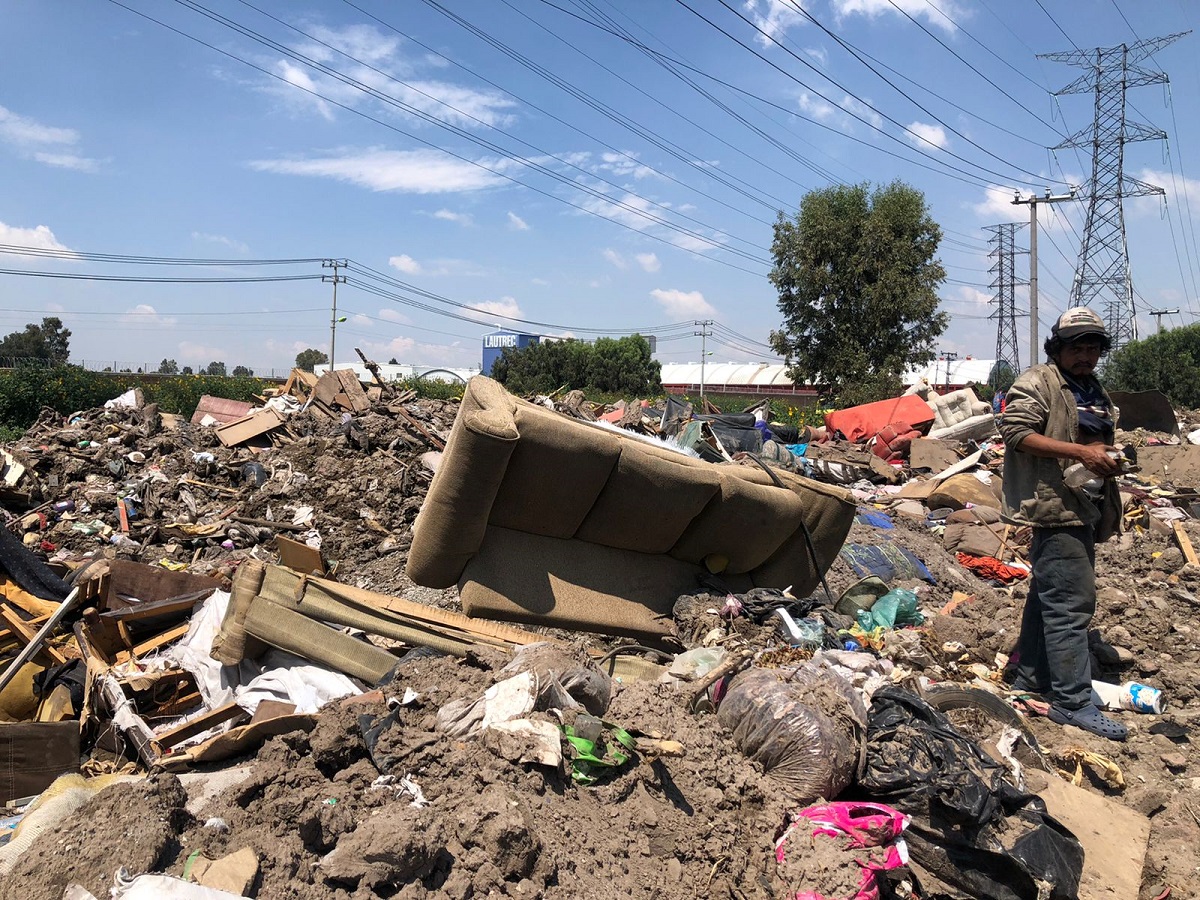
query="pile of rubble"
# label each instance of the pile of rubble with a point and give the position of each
(209, 625)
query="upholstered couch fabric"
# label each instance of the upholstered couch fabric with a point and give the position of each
(544, 519)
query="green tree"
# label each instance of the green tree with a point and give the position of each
(168, 367)
(310, 358)
(215, 368)
(186, 370)
(857, 277)
(48, 342)
(393, 361)
(610, 365)
(1167, 362)
(242, 372)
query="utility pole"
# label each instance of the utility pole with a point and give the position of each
(1159, 313)
(336, 265)
(1103, 268)
(1005, 240)
(950, 356)
(704, 333)
(1033, 200)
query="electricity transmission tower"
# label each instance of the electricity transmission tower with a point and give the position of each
(1102, 274)
(1004, 240)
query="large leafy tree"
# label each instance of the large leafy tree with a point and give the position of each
(168, 367)
(857, 276)
(308, 359)
(215, 368)
(49, 342)
(610, 365)
(1167, 362)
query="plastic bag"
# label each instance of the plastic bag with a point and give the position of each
(897, 607)
(970, 826)
(806, 732)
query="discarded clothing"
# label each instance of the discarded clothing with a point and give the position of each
(990, 568)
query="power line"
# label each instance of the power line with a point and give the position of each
(71, 276)
(63, 253)
(846, 91)
(713, 244)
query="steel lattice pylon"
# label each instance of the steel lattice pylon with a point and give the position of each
(1102, 274)
(1004, 239)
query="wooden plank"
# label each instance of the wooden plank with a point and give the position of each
(210, 719)
(26, 632)
(155, 643)
(300, 557)
(1185, 544)
(353, 390)
(1114, 839)
(224, 411)
(241, 430)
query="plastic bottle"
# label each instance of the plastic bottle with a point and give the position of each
(1131, 695)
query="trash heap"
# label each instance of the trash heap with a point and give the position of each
(217, 680)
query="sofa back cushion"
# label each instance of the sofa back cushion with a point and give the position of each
(649, 500)
(557, 470)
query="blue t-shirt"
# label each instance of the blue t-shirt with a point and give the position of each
(1095, 412)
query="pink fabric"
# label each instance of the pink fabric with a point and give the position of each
(866, 825)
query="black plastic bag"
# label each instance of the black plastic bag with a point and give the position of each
(970, 826)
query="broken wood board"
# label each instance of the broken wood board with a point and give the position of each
(25, 632)
(917, 490)
(1114, 839)
(298, 556)
(193, 727)
(932, 454)
(1185, 544)
(241, 430)
(222, 410)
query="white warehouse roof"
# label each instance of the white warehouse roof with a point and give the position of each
(941, 371)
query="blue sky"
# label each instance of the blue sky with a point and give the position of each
(588, 166)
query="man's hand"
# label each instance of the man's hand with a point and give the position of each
(1095, 457)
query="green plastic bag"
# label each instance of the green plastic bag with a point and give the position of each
(897, 607)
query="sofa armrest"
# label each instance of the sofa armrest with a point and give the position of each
(450, 527)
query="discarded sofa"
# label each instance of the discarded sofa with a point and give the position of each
(960, 416)
(547, 520)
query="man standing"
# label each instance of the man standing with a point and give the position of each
(1057, 414)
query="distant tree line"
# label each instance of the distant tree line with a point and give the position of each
(609, 365)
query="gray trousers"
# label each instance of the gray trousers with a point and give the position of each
(1053, 647)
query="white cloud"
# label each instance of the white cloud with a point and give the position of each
(1176, 190)
(222, 240)
(47, 144)
(39, 238)
(405, 264)
(773, 18)
(624, 165)
(648, 261)
(922, 136)
(541, 282)
(927, 9)
(406, 171)
(863, 109)
(815, 107)
(464, 219)
(820, 54)
(391, 315)
(683, 304)
(146, 315)
(505, 306)
(997, 206)
(516, 223)
(380, 64)
(614, 258)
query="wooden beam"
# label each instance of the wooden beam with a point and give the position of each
(195, 726)
(26, 631)
(1185, 544)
